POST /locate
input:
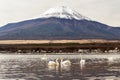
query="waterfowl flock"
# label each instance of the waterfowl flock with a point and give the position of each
(62, 63)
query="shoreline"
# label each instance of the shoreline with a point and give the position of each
(61, 46)
(53, 57)
(81, 41)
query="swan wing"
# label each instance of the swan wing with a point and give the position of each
(67, 62)
(51, 63)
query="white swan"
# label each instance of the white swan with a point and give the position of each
(65, 63)
(53, 63)
(82, 61)
(44, 57)
(110, 59)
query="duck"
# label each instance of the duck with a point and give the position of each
(53, 63)
(65, 63)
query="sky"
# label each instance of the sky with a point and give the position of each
(105, 11)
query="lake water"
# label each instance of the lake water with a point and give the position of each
(35, 67)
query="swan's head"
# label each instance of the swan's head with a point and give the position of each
(61, 59)
(57, 59)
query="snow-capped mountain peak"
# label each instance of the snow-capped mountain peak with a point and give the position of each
(62, 12)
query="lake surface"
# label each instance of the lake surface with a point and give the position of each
(35, 67)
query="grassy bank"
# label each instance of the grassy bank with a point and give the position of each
(25, 46)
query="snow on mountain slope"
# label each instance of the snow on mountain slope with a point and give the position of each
(63, 12)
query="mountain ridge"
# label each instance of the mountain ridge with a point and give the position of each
(53, 28)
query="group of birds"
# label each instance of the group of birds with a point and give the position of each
(63, 63)
(56, 62)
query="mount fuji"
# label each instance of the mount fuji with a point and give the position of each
(58, 23)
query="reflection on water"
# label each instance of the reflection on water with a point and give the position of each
(35, 67)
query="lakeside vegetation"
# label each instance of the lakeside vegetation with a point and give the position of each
(59, 46)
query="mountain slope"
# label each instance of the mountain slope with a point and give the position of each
(60, 26)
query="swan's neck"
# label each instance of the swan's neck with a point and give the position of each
(81, 56)
(61, 62)
(57, 62)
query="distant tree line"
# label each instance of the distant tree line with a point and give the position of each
(60, 47)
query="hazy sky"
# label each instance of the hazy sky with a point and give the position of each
(105, 11)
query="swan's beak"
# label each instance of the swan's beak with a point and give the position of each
(61, 58)
(57, 59)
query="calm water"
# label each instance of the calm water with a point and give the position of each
(34, 67)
